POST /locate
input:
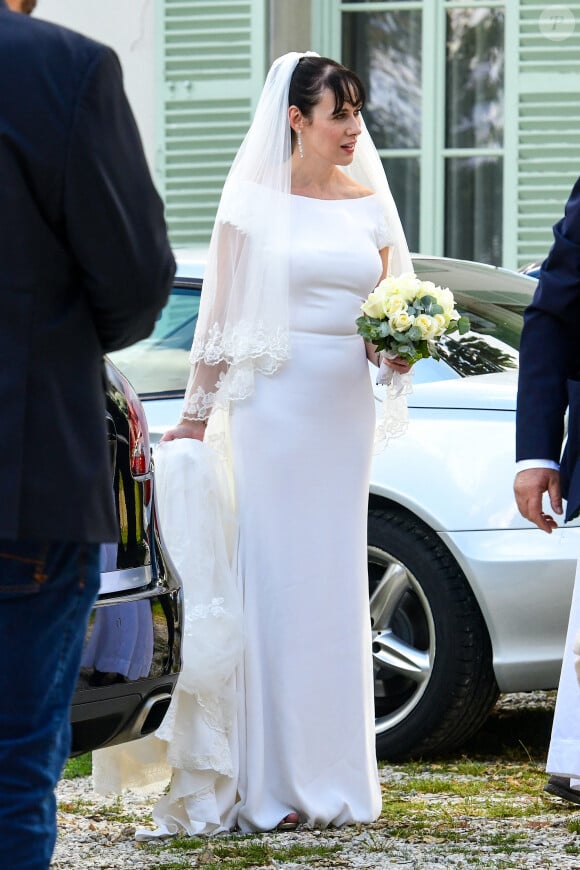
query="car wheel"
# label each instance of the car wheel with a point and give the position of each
(434, 681)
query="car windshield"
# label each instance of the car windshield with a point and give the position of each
(159, 365)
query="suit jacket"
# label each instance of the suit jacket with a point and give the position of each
(85, 267)
(549, 376)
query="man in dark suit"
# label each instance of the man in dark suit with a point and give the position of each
(549, 373)
(85, 267)
(549, 385)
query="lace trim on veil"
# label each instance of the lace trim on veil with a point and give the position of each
(231, 359)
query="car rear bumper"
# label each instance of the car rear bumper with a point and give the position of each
(130, 665)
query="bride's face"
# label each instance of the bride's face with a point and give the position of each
(331, 135)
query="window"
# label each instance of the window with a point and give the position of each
(434, 71)
(384, 47)
(474, 64)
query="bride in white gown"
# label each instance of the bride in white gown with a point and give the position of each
(297, 247)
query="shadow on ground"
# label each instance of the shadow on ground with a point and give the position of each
(517, 729)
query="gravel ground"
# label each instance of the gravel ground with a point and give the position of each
(495, 815)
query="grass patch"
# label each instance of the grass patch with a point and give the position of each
(570, 849)
(516, 780)
(290, 853)
(247, 855)
(78, 806)
(239, 853)
(82, 765)
(114, 812)
(174, 865)
(503, 810)
(444, 786)
(502, 840)
(448, 807)
(186, 844)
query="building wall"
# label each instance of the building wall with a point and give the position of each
(128, 26)
(194, 70)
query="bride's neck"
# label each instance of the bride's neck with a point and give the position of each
(311, 180)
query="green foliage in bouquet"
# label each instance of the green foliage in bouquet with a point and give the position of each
(407, 317)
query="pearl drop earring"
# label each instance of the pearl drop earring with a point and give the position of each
(300, 146)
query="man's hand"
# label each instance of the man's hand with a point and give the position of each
(529, 487)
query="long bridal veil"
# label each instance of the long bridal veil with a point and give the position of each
(196, 743)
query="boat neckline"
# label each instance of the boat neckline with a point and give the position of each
(342, 199)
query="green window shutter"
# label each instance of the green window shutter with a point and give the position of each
(548, 137)
(213, 69)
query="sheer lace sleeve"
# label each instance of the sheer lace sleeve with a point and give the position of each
(243, 319)
(209, 353)
(208, 357)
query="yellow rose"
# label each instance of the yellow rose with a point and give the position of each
(373, 307)
(394, 304)
(442, 323)
(386, 288)
(403, 287)
(428, 288)
(401, 321)
(427, 324)
(408, 285)
(445, 299)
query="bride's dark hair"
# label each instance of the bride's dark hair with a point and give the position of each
(313, 74)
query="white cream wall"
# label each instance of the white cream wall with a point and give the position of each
(128, 26)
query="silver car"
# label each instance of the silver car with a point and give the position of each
(467, 599)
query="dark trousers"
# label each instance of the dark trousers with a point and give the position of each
(46, 595)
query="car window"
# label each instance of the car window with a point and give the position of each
(492, 344)
(160, 364)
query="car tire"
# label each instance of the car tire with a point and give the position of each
(434, 680)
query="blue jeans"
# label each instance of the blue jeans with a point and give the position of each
(46, 594)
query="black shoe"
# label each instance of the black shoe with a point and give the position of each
(560, 787)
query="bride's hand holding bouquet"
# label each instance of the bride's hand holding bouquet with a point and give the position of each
(406, 317)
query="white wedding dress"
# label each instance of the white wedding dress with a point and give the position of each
(302, 448)
(302, 739)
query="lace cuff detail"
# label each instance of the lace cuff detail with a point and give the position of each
(243, 341)
(224, 366)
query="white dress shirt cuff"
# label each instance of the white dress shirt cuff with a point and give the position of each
(523, 464)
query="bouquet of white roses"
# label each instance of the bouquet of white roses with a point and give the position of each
(405, 317)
